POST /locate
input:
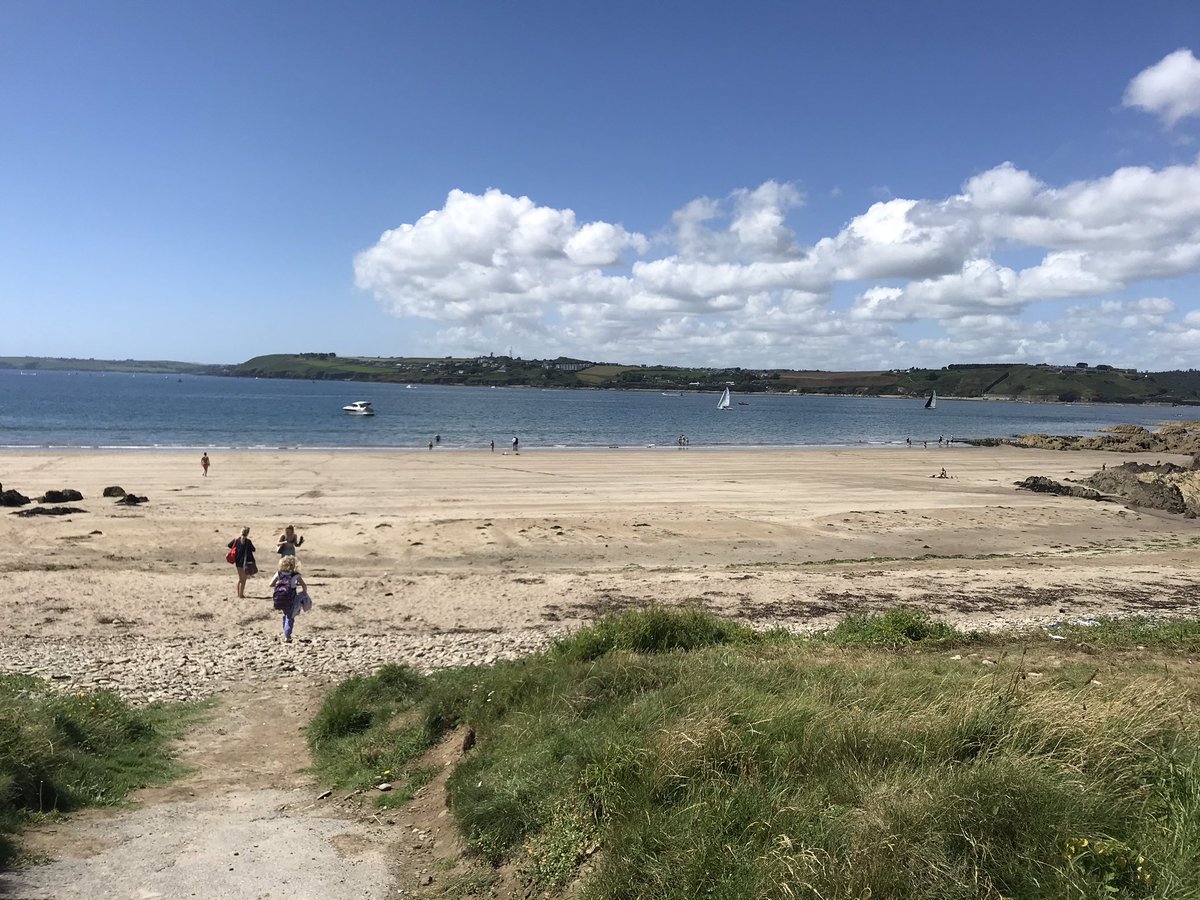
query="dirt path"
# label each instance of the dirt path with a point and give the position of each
(245, 824)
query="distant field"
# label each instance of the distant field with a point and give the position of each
(812, 380)
(600, 374)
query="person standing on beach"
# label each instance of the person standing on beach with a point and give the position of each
(516, 443)
(288, 542)
(204, 463)
(493, 446)
(290, 593)
(244, 559)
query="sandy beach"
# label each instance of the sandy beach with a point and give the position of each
(451, 557)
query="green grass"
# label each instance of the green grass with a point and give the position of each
(61, 752)
(1131, 633)
(894, 628)
(678, 755)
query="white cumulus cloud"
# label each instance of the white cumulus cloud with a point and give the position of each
(729, 283)
(1170, 88)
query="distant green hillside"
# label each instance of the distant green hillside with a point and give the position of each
(1085, 383)
(497, 371)
(149, 366)
(1002, 381)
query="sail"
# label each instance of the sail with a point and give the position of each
(931, 403)
(723, 403)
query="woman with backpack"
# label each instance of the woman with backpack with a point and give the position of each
(243, 558)
(289, 593)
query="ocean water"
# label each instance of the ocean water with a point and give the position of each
(63, 410)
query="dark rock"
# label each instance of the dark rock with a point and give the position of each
(1142, 485)
(12, 498)
(49, 511)
(66, 495)
(1040, 484)
(114, 491)
(132, 500)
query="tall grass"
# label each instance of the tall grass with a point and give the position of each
(60, 752)
(740, 767)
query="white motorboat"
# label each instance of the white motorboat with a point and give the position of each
(359, 408)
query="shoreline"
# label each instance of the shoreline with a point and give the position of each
(445, 447)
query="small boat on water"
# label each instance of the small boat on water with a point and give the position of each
(931, 403)
(359, 408)
(724, 402)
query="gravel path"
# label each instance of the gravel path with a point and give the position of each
(153, 669)
(248, 822)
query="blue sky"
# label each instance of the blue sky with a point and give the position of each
(853, 185)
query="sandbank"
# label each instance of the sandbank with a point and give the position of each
(407, 550)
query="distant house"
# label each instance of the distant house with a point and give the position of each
(565, 364)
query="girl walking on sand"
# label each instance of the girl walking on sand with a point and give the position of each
(290, 593)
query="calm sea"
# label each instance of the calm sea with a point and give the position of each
(61, 409)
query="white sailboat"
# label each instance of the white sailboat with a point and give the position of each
(931, 403)
(724, 403)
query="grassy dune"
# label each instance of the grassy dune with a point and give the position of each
(670, 754)
(61, 752)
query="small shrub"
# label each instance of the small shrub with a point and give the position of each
(355, 705)
(894, 628)
(654, 630)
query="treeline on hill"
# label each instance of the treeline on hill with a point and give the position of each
(1001, 381)
(1066, 384)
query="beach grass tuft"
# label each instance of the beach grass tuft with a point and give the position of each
(893, 628)
(64, 751)
(672, 754)
(653, 630)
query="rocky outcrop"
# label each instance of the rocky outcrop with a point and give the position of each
(1167, 487)
(1182, 437)
(1163, 486)
(12, 498)
(1040, 484)
(114, 491)
(66, 495)
(132, 500)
